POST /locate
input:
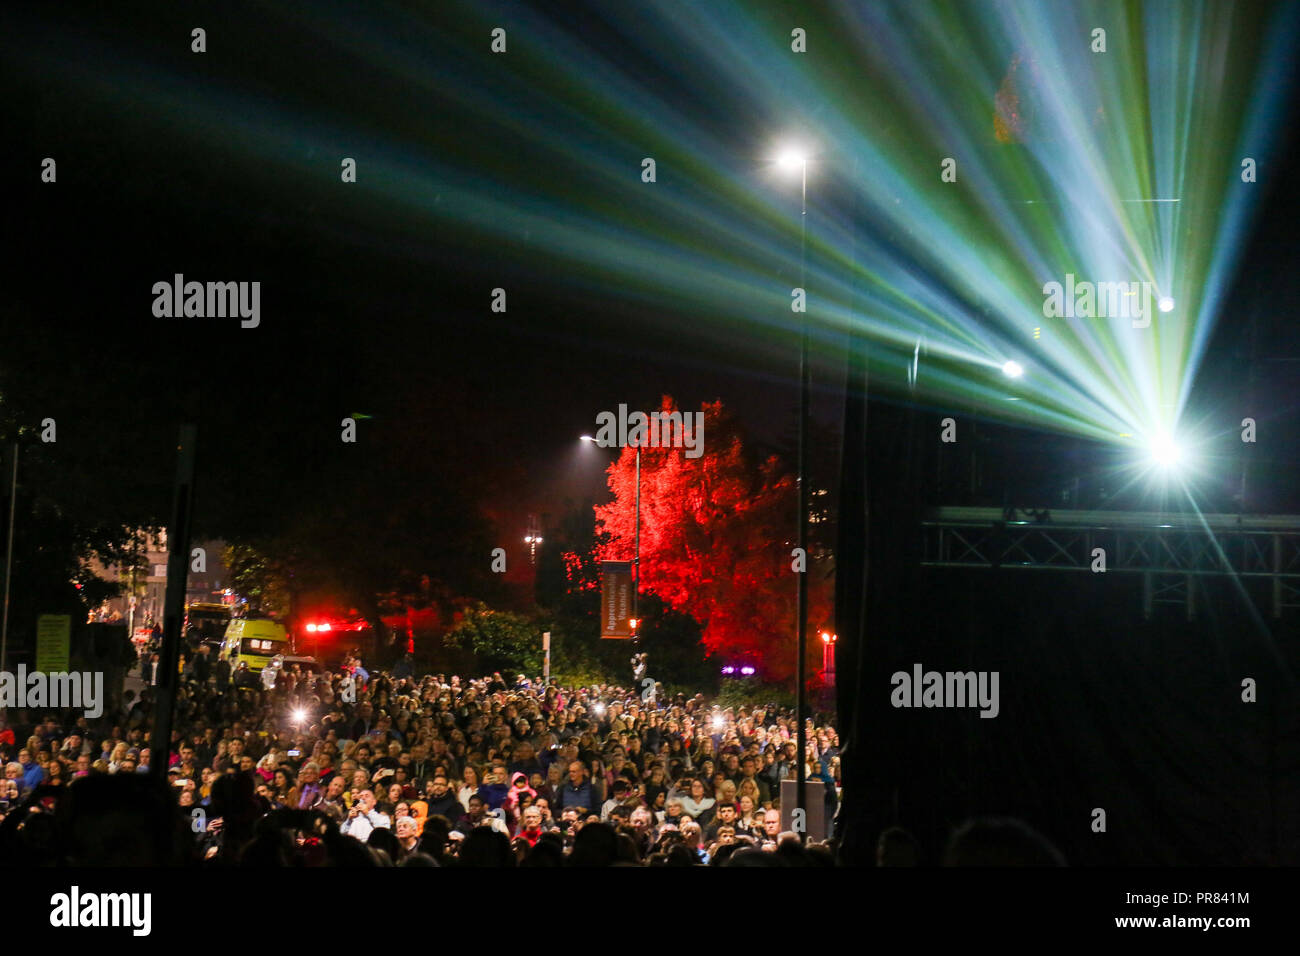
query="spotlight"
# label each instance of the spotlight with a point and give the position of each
(718, 722)
(747, 671)
(1164, 452)
(791, 158)
(1166, 304)
(1013, 369)
(599, 710)
(299, 715)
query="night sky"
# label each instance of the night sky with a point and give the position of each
(376, 295)
(365, 307)
(371, 303)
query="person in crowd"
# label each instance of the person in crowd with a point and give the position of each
(408, 836)
(364, 817)
(439, 799)
(469, 786)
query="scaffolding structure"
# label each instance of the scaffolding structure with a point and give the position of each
(1171, 551)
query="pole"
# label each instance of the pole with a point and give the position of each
(178, 555)
(636, 563)
(9, 561)
(131, 599)
(546, 662)
(801, 602)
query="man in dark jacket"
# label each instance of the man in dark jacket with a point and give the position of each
(441, 800)
(221, 670)
(580, 792)
(202, 666)
(365, 721)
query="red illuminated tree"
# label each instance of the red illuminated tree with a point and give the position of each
(717, 533)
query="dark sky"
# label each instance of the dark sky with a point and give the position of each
(358, 315)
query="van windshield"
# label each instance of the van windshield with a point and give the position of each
(259, 645)
(209, 623)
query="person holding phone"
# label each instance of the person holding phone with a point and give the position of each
(363, 818)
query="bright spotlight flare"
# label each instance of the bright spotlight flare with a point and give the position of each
(1013, 369)
(299, 715)
(791, 158)
(1165, 452)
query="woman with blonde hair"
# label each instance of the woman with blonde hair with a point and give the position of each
(748, 817)
(749, 788)
(117, 756)
(266, 767)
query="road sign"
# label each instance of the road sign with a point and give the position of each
(53, 643)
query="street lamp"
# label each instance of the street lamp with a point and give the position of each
(636, 560)
(792, 158)
(828, 656)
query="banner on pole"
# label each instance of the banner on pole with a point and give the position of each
(616, 599)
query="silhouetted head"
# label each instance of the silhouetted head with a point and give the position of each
(120, 820)
(1000, 841)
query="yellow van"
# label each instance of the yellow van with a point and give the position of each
(207, 623)
(253, 641)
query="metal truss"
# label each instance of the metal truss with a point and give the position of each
(1170, 551)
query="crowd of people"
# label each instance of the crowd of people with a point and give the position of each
(344, 766)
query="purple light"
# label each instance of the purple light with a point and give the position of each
(747, 670)
(728, 670)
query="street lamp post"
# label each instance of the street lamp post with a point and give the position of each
(789, 159)
(533, 538)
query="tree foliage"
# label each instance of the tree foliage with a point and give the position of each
(500, 640)
(717, 532)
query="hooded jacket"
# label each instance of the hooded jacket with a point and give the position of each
(512, 796)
